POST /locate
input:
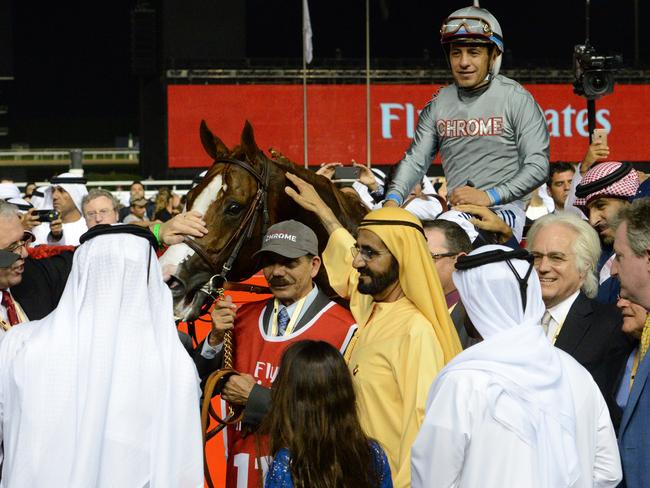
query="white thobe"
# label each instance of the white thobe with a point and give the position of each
(460, 444)
(72, 231)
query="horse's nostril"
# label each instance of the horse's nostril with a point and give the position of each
(176, 286)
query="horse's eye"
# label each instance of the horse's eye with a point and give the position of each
(233, 208)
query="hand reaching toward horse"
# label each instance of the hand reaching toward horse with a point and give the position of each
(223, 319)
(309, 199)
(184, 224)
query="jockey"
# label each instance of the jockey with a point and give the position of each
(490, 132)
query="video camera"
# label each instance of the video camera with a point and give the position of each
(594, 74)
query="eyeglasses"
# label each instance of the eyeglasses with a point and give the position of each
(103, 213)
(556, 258)
(367, 253)
(440, 255)
(24, 242)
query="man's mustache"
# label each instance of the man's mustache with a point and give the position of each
(278, 282)
(602, 227)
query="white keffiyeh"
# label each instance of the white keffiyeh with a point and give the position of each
(101, 393)
(77, 191)
(525, 367)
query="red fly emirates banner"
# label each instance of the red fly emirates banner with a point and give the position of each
(337, 120)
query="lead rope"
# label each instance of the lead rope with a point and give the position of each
(234, 414)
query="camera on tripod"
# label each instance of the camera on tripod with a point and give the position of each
(594, 74)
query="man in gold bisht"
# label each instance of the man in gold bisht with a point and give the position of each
(405, 334)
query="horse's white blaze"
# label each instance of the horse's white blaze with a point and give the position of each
(174, 256)
(178, 253)
(209, 194)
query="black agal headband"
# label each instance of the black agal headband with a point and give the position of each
(369, 222)
(57, 180)
(587, 189)
(464, 263)
(134, 230)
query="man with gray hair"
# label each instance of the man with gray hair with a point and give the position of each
(566, 251)
(632, 267)
(13, 246)
(100, 206)
(512, 411)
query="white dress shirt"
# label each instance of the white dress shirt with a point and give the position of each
(559, 313)
(210, 352)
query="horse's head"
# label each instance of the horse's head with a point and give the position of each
(240, 196)
(232, 198)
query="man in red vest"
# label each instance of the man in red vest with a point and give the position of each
(262, 330)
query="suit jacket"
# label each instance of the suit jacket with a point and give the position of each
(592, 335)
(634, 437)
(43, 282)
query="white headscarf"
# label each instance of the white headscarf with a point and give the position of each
(77, 191)
(101, 393)
(37, 201)
(461, 219)
(9, 190)
(22, 204)
(523, 364)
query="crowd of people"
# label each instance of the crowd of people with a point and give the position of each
(490, 330)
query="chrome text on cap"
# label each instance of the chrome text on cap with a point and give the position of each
(280, 235)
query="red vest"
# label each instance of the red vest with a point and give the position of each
(259, 355)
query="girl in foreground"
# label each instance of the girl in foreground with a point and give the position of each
(316, 437)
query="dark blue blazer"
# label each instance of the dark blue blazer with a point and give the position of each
(634, 432)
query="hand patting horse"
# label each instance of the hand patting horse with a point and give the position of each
(241, 195)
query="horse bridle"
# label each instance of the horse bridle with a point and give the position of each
(214, 286)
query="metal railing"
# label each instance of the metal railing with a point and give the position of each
(61, 157)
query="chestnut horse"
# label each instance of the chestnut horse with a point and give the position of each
(241, 195)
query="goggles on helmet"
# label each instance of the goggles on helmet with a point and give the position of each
(469, 27)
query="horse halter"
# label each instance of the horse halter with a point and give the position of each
(214, 286)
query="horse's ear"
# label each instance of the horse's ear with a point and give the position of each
(278, 156)
(211, 143)
(248, 143)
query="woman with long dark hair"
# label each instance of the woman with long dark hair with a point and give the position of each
(315, 432)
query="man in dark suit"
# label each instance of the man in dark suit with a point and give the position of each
(447, 240)
(566, 251)
(632, 267)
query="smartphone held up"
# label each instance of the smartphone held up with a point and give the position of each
(600, 136)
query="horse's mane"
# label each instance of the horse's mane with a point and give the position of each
(348, 207)
(349, 204)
